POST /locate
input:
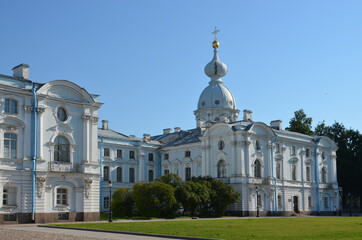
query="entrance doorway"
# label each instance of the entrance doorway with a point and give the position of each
(295, 204)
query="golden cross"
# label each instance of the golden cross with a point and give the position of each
(215, 31)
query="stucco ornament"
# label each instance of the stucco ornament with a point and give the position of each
(87, 186)
(41, 183)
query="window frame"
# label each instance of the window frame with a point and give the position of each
(293, 172)
(59, 148)
(278, 170)
(131, 154)
(150, 175)
(106, 152)
(166, 171)
(119, 174)
(188, 153)
(221, 169)
(11, 196)
(106, 173)
(221, 145)
(257, 169)
(131, 175)
(8, 106)
(119, 153)
(150, 157)
(187, 173)
(166, 156)
(11, 154)
(62, 197)
(308, 173)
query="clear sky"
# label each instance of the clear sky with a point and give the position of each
(146, 58)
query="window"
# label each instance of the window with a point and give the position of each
(131, 154)
(61, 149)
(187, 153)
(62, 114)
(307, 153)
(257, 169)
(11, 106)
(324, 175)
(166, 171)
(150, 175)
(119, 174)
(119, 153)
(310, 203)
(258, 201)
(221, 145)
(187, 173)
(257, 145)
(9, 196)
(106, 152)
(294, 172)
(10, 145)
(106, 202)
(293, 151)
(9, 217)
(278, 170)
(221, 169)
(131, 175)
(307, 172)
(62, 196)
(150, 157)
(323, 155)
(106, 173)
(63, 216)
(280, 201)
(326, 202)
(166, 156)
(277, 148)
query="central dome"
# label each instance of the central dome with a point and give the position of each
(216, 96)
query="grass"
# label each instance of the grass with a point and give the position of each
(263, 228)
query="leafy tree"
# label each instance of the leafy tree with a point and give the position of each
(122, 202)
(192, 196)
(172, 179)
(155, 199)
(300, 123)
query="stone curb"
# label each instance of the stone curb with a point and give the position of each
(130, 233)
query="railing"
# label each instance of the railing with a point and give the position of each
(64, 167)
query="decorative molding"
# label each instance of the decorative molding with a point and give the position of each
(40, 110)
(41, 183)
(28, 108)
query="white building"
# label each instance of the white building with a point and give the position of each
(49, 169)
(279, 171)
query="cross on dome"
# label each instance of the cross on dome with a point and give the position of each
(215, 32)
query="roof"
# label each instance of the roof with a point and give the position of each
(178, 138)
(112, 134)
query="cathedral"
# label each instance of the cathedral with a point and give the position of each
(57, 165)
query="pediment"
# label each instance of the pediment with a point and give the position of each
(62, 128)
(65, 93)
(12, 122)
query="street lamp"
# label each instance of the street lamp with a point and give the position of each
(110, 201)
(340, 200)
(350, 204)
(257, 202)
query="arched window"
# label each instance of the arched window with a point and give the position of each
(221, 145)
(294, 173)
(278, 170)
(10, 145)
(324, 175)
(257, 169)
(61, 149)
(221, 169)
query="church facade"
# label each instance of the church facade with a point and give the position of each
(56, 164)
(277, 172)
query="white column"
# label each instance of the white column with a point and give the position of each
(247, 164)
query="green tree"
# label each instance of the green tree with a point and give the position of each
(192, 196)
(122, 202)
(172, 179)
(155, 199)
(300, 123)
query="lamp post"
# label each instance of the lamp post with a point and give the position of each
(350, 204)
(110, 201)
(257, 202)
(340, 200)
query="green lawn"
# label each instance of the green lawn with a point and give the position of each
(263, 228)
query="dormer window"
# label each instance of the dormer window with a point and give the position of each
(11, 106)
(62, 114)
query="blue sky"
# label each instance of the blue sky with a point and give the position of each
(146, 58)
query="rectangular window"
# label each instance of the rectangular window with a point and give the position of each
(106, 152)
(258, 201)
(150, 157)
(131, 154)
(307, 169)
(106, 202)
(62, 196)
(63, 216)
(187, 153)
(10, 217)
(280, 201)
(11, 106)
(10, 145)
(166, 171)
(310, 204)
(167, 156)
(277, 148)
(187, 173)
(9, 196)
(119, 153)
(119, 174)
(131, 175)
(106, 173)
(294, 172)
(307, 153)
(150, 175)
(278, 170)
(326, 205)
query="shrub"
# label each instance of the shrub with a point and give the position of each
(192, 196)
(122, 202)
(172, 179)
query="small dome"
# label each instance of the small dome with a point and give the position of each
(216, 96)
(215, 69)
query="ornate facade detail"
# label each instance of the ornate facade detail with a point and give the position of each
(28, 108)
(41, 183)
(40, 110)
(95, 120)
(86, 117)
